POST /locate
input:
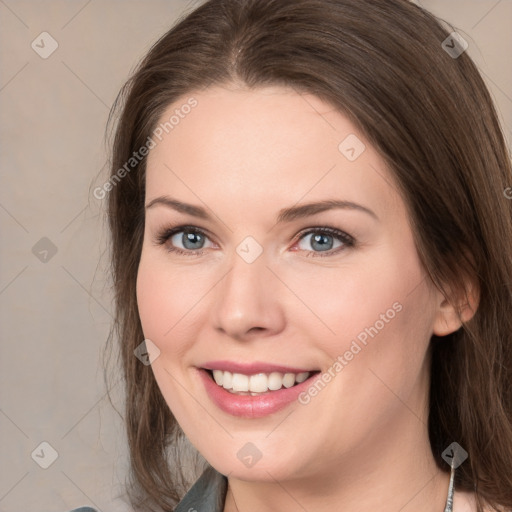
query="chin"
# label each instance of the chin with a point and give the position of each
(251, 464)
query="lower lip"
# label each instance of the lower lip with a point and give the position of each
(247, 406)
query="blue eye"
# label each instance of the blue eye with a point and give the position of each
(324, 239)
(193, 239)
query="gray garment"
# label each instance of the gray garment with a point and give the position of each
(206, 495)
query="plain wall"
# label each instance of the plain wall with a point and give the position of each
(55, 307)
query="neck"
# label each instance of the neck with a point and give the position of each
(391, 473)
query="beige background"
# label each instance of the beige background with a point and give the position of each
(55, 314)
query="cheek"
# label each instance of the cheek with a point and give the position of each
(166, 300)
(153, 301)
(165, 307)
(159, 312)
(383, 322)
(373, 321)
(364, 297)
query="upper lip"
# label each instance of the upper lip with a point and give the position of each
(252, 368)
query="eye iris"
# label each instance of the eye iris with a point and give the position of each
(325, 243)
(194, 238)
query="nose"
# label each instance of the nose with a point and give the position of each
(247, 301)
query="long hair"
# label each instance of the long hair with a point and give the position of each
(387, 66)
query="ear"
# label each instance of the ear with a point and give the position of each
(451, 314)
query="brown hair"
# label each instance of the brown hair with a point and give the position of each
(430, 116)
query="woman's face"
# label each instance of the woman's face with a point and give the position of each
(257, 286)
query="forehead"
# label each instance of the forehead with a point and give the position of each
(268, 145)
(250, 124)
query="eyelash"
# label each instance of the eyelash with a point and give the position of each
(347, 240)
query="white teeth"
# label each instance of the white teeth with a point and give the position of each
(257, 383)
(288, 380)
(240, 382)
(227, 379)
(217, 375)
(301, 377)
(275, 381)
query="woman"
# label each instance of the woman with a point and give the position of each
(311, 232)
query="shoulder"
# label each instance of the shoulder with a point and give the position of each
(465, 501)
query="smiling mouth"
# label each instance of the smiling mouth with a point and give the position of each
(258, 383)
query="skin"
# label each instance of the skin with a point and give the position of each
(362, 442)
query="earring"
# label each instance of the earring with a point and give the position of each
(449, 500)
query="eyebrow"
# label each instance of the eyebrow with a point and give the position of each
(285, 215)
